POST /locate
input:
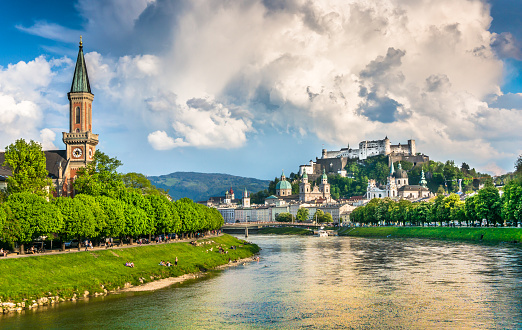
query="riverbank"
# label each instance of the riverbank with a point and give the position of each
(491, 235)
(47, 279)
(285, 231)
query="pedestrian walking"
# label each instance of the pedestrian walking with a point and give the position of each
(176, 261)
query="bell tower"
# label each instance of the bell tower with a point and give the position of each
(80, 141)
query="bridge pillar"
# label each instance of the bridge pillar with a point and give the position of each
(246, 231)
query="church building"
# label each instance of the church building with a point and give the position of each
(80, 142)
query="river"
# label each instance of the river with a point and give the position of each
(322, 283)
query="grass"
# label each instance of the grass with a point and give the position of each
(285, 231)
(74, 273)
(493, 235)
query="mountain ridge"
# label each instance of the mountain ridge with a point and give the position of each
(200, 186)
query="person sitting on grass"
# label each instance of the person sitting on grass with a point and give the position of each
(168, 264)
(129, 264)
(162, 263)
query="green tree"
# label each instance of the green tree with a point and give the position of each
(115, 216)
(318, 215)
(100, 218)
(470, 207)
(33, 216)
(146, 224)
(166, 217)
(28, 164)
(488, 204)
(302, 214)
(99, 177)
(512, 202)
(327, 218)
(283, 217)
(78, 219)
(140, 182)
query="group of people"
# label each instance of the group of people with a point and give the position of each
(88, 245)
(167, 263)
(129, 264)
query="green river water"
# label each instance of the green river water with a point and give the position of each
(321, 283)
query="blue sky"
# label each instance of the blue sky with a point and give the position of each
(255, 86)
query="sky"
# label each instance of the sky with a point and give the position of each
(251, 87)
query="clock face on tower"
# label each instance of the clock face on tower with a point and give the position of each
(77, 152)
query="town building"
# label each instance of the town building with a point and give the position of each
(398, 187)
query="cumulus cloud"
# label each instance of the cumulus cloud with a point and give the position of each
(47, 137)
(26, 100)
(208, 74)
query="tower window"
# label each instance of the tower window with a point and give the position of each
(77, 115)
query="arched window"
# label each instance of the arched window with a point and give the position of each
(77, 114)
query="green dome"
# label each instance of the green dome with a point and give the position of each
(324, 177)
(283, 185)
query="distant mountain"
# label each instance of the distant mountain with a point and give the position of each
(201, 186)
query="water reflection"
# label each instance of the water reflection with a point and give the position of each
(334, 282)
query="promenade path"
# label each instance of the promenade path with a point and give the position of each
(14, 255)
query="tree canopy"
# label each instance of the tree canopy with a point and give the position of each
(28, 164)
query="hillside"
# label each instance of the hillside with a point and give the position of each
(201, 186)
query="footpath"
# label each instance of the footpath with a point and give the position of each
(14, 255)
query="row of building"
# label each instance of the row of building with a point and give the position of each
(315, 197)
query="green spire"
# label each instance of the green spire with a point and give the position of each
(305, 175)
(423, 181)
(392, 169)
(80, 83)
(324, 177)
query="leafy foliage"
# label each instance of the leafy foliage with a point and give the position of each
(27, 161)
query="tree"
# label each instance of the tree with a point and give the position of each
(318, 215)
(140, 182)
(512, 202)
(78, 219)
(115, 216)
(100, 218)
(302, 214)
(327, 218)
(488, 204)
(27, 161)
(518, 166)
(283, 217)
(144, 225)
(33, 217)
(470, 207)
(99, 177)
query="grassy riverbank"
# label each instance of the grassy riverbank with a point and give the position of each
(68, 274)
(493, 235)
(285, 231)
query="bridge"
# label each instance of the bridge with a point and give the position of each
(240, 227)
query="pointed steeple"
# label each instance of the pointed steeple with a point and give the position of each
(80, 83)
(423, 182)
(392, 169)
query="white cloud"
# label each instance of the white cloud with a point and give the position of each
(159, 140)
(344, 71)
(47, 137)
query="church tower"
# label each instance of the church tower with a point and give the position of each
(246, 199)
(325, 186)
(304, 188)
(80, 141)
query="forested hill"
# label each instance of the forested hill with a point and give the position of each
(201, 186)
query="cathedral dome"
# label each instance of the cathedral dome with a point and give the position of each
(401, 174)
(283, 185)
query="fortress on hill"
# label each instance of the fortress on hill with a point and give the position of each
(335, 161)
